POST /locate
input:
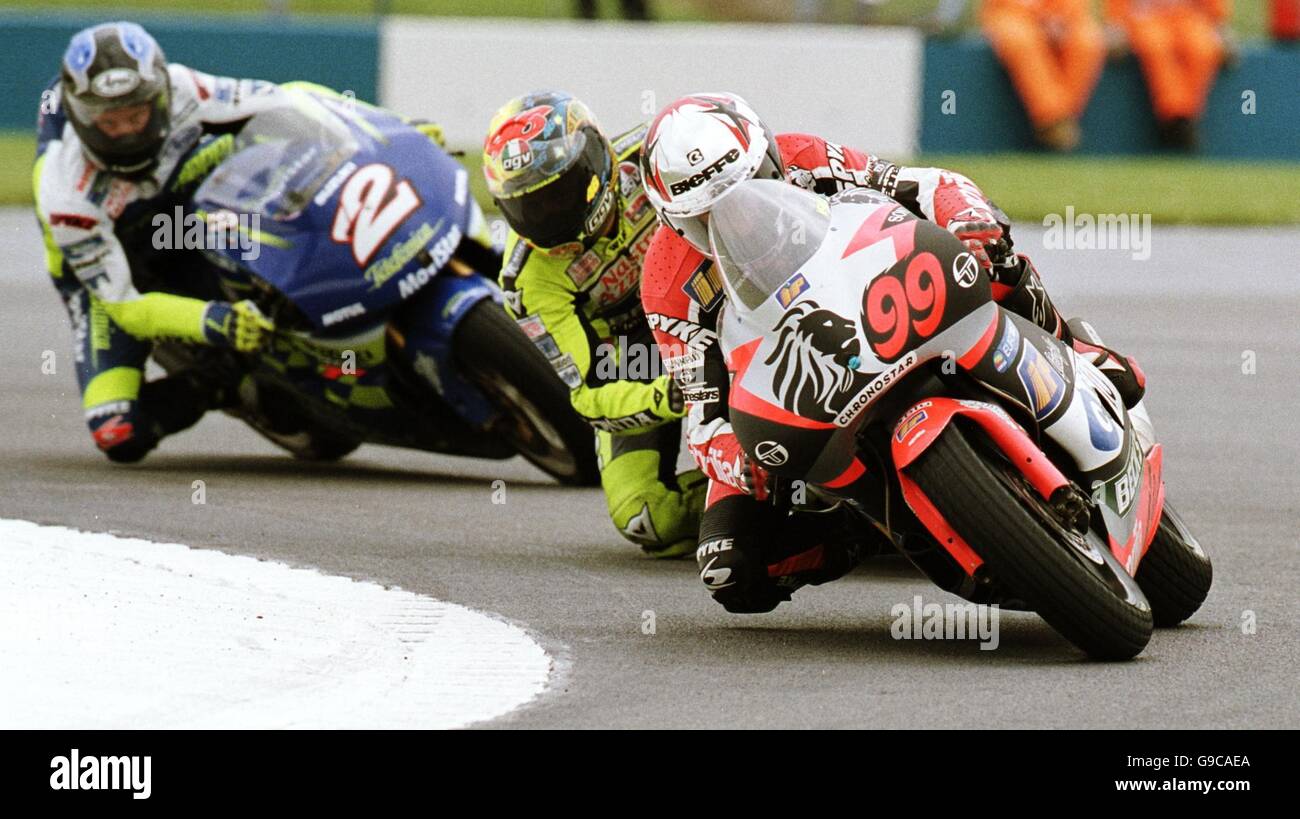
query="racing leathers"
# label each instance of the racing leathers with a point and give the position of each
(582, 308)
(81, 209)
(752, 568)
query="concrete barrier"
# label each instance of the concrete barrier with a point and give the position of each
(855, 85)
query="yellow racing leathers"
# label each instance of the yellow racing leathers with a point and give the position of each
(582, 308)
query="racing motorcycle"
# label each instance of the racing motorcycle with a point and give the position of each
(357, 235)
(870, 361)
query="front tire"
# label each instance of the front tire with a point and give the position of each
(539, 420)
(985, 500)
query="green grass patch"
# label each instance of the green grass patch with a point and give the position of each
(1173, 190)
(1027, 186)
(1248, 18)
(17, 151)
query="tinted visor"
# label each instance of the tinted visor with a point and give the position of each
(571, 206)
(123, 151)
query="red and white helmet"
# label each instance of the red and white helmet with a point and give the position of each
(696, 150)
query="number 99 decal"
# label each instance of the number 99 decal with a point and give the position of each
(370, 208)
(895, 308)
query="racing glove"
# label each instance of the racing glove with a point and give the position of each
(977, 228)
(963, 210)
(239, 326)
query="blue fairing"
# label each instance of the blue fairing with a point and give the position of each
(356, 213)
(444, 303)
(349, 226)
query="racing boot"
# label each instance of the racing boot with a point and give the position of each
(165, 406)
(819, 546)
(1018, 288)
(1123, 371)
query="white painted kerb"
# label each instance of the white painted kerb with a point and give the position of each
(98, 631)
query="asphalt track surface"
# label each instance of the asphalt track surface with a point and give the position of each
(548, 558)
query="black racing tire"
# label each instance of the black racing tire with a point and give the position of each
(326, 447)
(1175, 574)
(982, 497)
(539, 419)
(277, 419)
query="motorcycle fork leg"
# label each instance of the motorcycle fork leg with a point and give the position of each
(1031, 367)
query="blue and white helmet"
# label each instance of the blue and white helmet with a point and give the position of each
(110, 67)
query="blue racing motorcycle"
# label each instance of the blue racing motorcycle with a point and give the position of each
(358, 236)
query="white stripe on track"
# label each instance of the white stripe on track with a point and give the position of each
(98, 631)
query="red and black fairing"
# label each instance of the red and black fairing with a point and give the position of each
(890, 300)
(681, 292)
(800, 390)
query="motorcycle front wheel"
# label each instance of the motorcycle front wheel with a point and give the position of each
(538, 418)
(989, 503)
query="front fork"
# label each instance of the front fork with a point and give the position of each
(424, 339)
(1069, 400)
(1117, 463)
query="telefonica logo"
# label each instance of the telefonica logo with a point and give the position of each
(93, 773)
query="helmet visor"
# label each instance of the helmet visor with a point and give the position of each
(128, 121)
(557, 209)
(126, 130)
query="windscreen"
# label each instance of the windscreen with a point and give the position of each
(281, 158)
(762, 232)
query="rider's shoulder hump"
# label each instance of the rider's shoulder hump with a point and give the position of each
(669, 260)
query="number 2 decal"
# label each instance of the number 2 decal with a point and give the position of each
(370, 208)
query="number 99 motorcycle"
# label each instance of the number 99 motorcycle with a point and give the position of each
(869, 360)
(357, 235)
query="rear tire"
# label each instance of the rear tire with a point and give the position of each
(1009, 530)
(540, 420)
(1175, 574)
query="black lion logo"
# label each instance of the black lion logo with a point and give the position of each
(813, 347)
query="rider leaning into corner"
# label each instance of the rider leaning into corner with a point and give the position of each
(580, 226)
(112, 130)
(752, 554)
(114, 141)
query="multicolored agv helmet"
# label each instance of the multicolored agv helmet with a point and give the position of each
(551, 170)
(696, 150)
(108, 69)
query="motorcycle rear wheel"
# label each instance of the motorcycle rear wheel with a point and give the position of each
(1011, 530)
(1175, 574)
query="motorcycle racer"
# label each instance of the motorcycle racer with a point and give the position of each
(580, 224)
(111, 131)
(122, 137)
(696, 149)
